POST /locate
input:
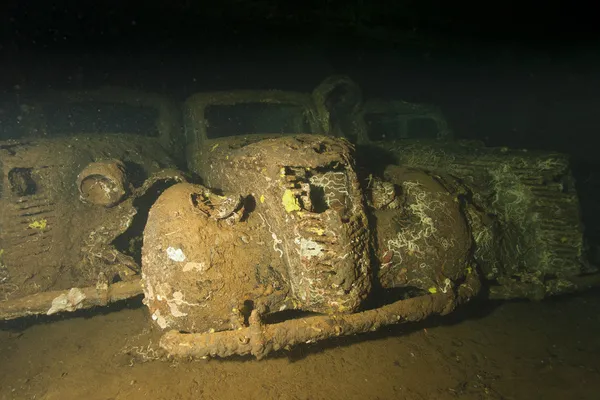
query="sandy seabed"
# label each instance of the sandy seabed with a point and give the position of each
(519, 350)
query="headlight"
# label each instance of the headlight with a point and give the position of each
(103, 183)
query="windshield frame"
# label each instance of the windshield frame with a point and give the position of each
(195, 124)
(168, 121)
(404, 111)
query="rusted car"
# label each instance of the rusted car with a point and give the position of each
(299, 208)
(287, 219)
(76, 184)
(284, 221)
(530, 240)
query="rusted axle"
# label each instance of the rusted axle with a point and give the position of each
(259, 339)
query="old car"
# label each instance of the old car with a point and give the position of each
(297, 207)
(292, 216)
(284, 221)
(77, 179)
(530, 243)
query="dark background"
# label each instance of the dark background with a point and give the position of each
(518, 74)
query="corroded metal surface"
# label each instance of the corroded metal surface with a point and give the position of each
(49, 238)
(299, 239)
(531, 230)
(423, 238)
(307, 192)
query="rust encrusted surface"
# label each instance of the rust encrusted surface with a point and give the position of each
(298, 239)
(50, 239)
(307, 193)
(424, 242)
(535, 232)
(201, 266)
